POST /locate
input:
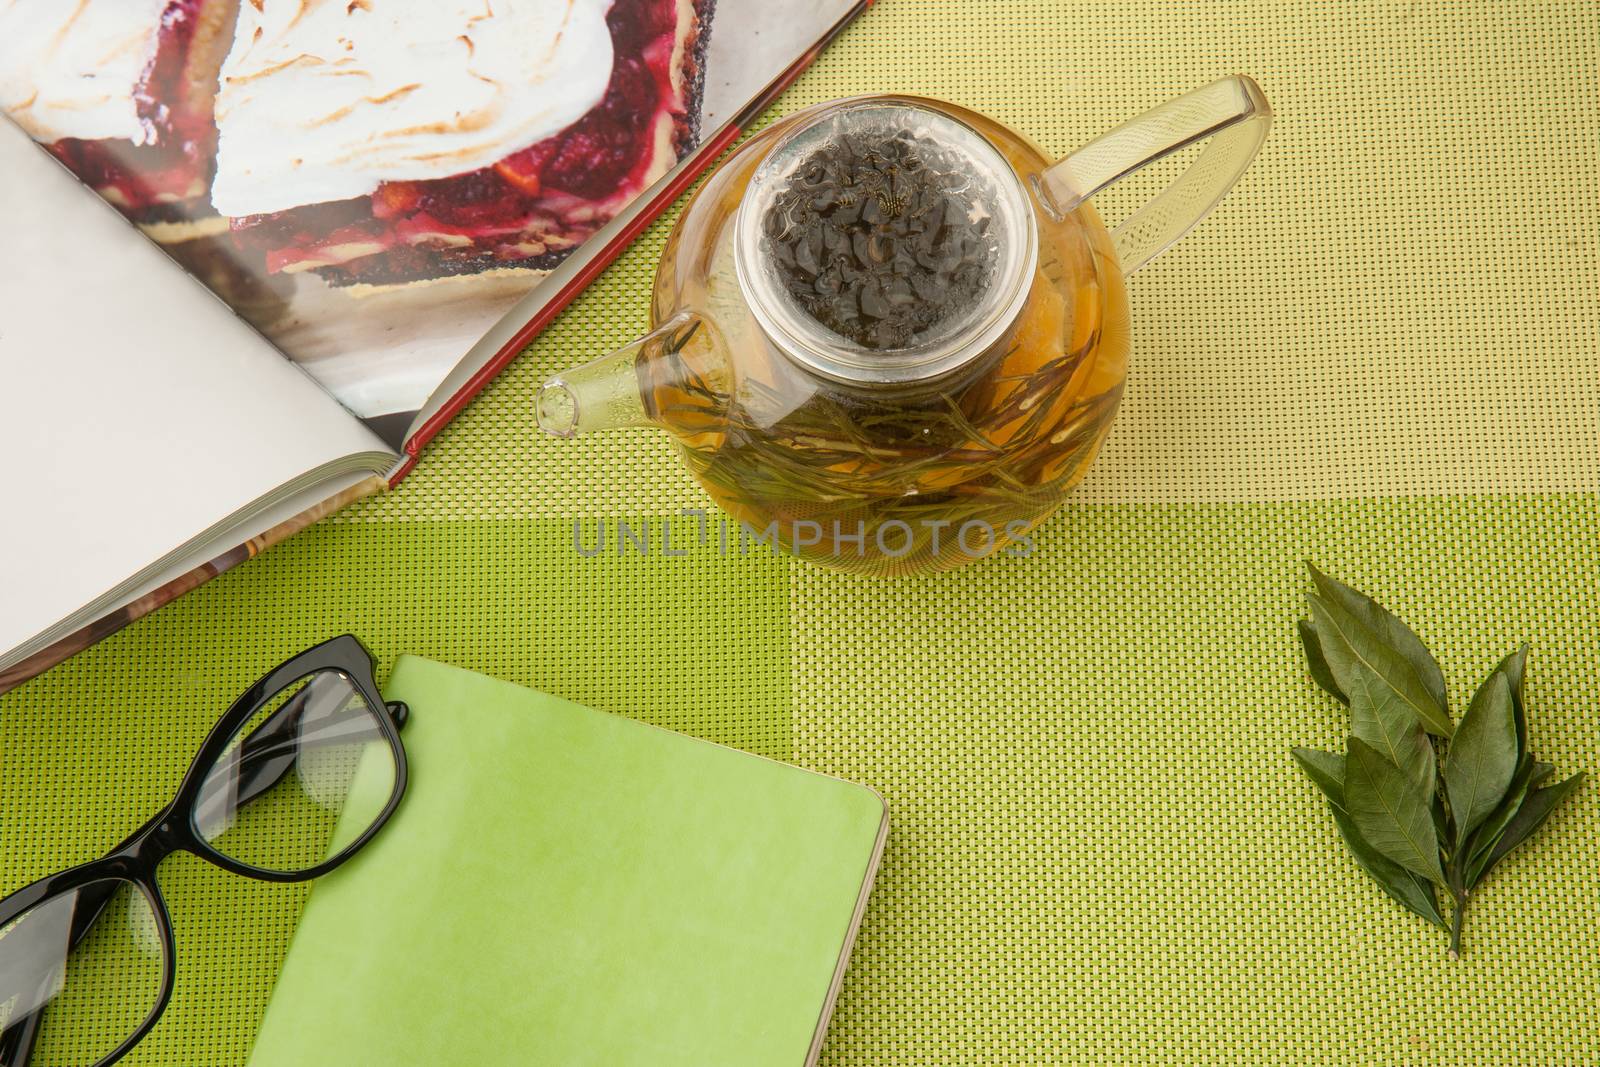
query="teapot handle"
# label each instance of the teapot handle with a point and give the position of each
(1232, 112)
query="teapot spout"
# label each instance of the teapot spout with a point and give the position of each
(607, 393)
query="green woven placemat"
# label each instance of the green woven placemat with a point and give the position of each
(1379, 354)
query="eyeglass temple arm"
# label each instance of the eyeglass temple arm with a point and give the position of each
(265, 757)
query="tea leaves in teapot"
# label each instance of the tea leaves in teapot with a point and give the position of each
(879, 240)
(902, 473)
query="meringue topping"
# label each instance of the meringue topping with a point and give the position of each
(70, 68)
(324, 100)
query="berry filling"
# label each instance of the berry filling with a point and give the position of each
(174, 106)
(530, 208)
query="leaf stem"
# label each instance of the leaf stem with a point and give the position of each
(1458, 913)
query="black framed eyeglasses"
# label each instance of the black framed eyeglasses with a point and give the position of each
(298, 774)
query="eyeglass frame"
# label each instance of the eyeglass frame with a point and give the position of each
(174, 829)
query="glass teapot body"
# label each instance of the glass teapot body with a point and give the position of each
(899, 476)
(924, 454)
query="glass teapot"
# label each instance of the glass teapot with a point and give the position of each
(889, 334)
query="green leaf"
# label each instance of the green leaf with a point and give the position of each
(1391, 727)
(1396, 634)
(1515, 668)
(1316, 662)
(1533, 812)
(1346, 642)
(1483, 756)
(1411, 891)
(1326, 771)
(1390, 811)
(1530, 772)
(1485, 837)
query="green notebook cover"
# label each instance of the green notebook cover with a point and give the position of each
(562, 886)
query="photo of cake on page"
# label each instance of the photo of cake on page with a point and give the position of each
(391, 196)
(374, 183)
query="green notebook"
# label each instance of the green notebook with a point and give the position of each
(565, 887)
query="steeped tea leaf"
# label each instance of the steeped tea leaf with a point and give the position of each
(1316, 662)
(1380, 719)
(1396, 634)
(1482, 757)
(1411, 891)
(1390, 811)
(1347, 642)
(881, 240)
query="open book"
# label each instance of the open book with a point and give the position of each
(389, 197)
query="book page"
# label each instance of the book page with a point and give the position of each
(375, 185)
(137, 412)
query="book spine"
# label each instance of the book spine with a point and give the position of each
(76, 642)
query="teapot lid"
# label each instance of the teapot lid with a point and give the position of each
(885, 241)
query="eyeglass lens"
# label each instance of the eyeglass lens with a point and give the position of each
(96, 958)
(301, 781)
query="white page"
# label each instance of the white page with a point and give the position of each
(136, 412)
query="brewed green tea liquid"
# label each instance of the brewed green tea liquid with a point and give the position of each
(996, 443)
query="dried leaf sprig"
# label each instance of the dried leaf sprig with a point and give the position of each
(1421, 815)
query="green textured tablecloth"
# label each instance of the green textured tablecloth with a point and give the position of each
(1379, 353)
